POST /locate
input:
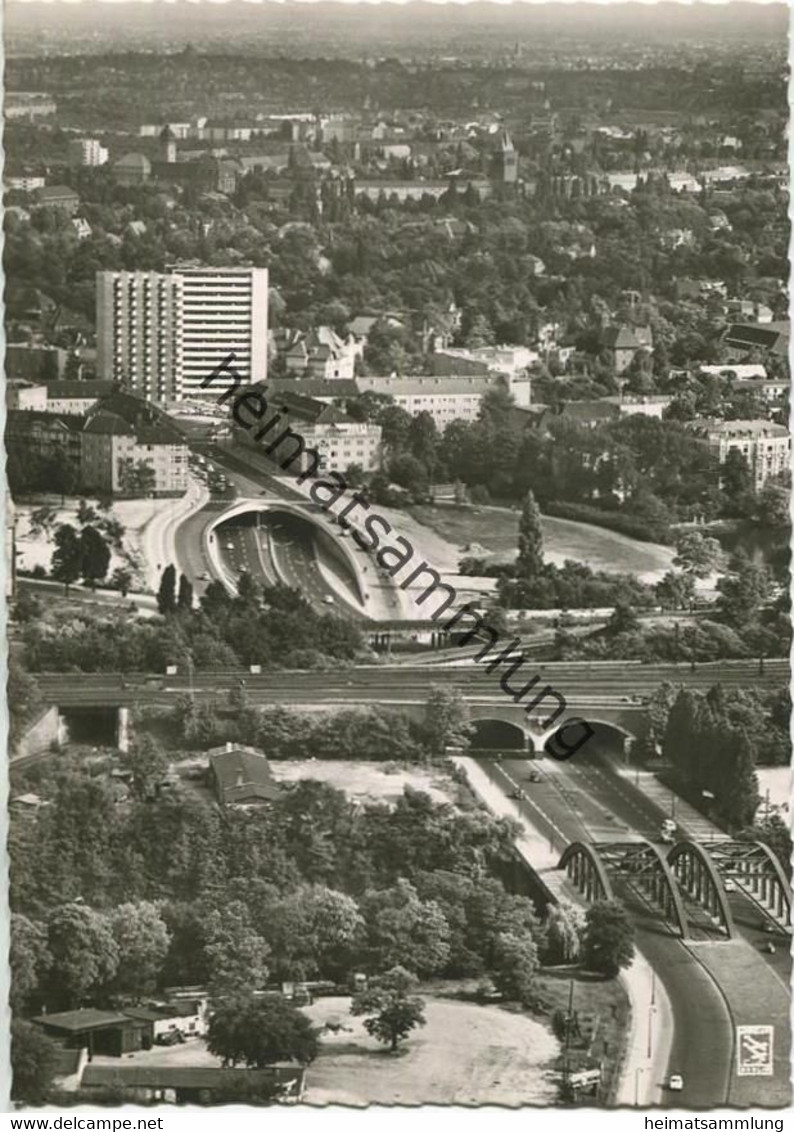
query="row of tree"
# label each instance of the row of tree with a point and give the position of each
(274, 627)
(636, 473)
(111, 900)
(714, 743)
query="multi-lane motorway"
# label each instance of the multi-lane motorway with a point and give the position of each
(584, 801)
(281, 546)
(276, 547)
(580, 801)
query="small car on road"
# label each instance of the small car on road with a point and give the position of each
(676, 1083)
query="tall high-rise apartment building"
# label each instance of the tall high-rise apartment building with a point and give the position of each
(87, 151)
(164, 333)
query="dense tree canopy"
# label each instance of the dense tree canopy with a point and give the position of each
(258, 1032)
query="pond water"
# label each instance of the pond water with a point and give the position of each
(762, 544)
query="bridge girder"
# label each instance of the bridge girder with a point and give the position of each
(586, 869)
(644, 864)
(755, 868)
(697, 876)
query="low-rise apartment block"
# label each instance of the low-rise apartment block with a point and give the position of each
(44, 435)
(307, 423)
(119, 436)
(25, 396)
(77, 398)
(28, 105)
(765, 446)
(446, 399)
(124, 434)
(87, 151)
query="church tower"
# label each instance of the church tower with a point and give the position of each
(167, 145)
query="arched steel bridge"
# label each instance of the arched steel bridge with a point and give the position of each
(637, 863)
(691, 875)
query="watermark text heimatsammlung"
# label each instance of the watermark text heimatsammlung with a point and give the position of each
(249, 407)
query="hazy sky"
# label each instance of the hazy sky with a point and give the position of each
(642, 2)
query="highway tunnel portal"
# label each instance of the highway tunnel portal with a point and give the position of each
(303, 526)
(499, 735)
(506, 727)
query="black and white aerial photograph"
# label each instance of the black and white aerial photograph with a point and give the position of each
(396, 559)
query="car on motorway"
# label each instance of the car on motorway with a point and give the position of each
(328, 600)
(676, 1083)
(534, 776)
(518, 795)
(230, 546)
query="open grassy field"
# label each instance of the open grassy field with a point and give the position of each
(496, 529)
(370, 782)
(466, 1055)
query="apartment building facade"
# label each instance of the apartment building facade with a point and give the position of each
(344, 442)
(26, 396)
(123, 433)
(87, 151)
(765, 446)
(338, 439)
(446, 399)
(164, 333)
(119, 435)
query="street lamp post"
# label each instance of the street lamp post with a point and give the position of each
(707, 794)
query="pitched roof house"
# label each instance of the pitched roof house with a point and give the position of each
(242, 776)
(623, 343)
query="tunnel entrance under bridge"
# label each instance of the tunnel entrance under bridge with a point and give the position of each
(497, 736)
(591, 739)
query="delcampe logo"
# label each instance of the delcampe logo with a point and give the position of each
(754, 1051)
